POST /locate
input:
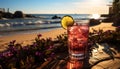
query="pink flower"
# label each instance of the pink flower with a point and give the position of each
(38, 53)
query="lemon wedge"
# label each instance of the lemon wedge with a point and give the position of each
(67, 21)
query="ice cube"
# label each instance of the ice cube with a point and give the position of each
(75, 24)
(85, 29)
(73, 30)
(74, 40)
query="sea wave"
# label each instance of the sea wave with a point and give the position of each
(10, 23)
(40, 22)
(23, 29)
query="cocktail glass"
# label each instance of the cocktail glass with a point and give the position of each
(78, 39)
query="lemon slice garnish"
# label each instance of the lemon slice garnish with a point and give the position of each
(67, 21)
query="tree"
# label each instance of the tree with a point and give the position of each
(18, 14)
(116, 6)
(116, 11)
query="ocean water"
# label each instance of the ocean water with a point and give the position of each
(42, 23)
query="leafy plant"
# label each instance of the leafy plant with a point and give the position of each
(110, 37)
(30, 56)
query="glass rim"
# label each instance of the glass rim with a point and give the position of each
(81, 22)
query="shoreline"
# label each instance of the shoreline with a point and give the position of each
(104, 26)
(30, 31)
(25, 39)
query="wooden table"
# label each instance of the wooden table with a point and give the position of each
(63, 62)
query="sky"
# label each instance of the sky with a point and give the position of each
(57, 6)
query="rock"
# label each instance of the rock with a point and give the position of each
(18, 14)
(109, 64)
(94, 22)
(104, 57)
(56, 17)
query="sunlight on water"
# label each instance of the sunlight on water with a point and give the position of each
(95, 16)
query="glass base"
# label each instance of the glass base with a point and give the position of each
(77, 56)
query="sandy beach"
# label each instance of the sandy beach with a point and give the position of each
(103, 26)
(28, 38)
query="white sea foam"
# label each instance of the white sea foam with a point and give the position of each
(1, 25)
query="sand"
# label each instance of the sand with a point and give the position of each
(104, 26)
(29, 38)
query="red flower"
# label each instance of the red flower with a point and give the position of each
(39, 35)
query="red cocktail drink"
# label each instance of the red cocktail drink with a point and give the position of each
(77, 40)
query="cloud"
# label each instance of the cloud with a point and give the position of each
(91, 3)
(76, 6)
(91, 6)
